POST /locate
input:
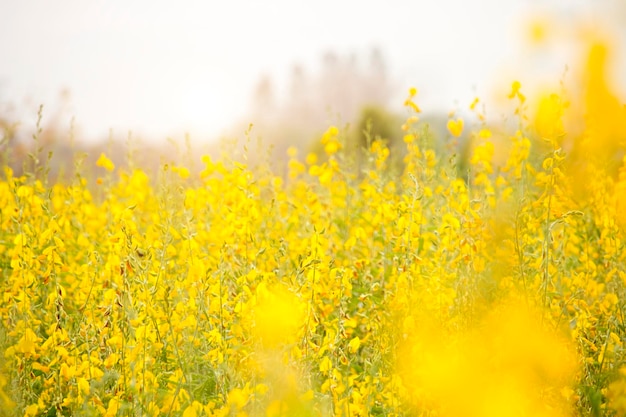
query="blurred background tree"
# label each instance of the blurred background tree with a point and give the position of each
(335, 93)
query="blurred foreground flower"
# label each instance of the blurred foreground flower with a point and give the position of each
(507, 366)
(279, 315)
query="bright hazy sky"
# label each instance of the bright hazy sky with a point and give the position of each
(164, 67)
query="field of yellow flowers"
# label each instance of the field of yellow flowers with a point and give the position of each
(330, 290)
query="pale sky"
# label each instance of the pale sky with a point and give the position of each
(164, 67)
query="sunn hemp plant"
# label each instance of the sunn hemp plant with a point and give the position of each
(493, 290)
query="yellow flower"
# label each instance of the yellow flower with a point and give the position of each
(278, 315)
(548, 121)
(182, 172)
(105, 162)
(27, 345)
(332, 147)
(113, 408)
(455, 127)
(311, 158)
(193, 410)
(31, 410)
(67, 372)
(238, 398)
(325, 365)
(354, 344)
(516, 93)
(330, 141)
(83, 386)
(515, 87)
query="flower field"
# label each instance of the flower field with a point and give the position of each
(334, 289)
